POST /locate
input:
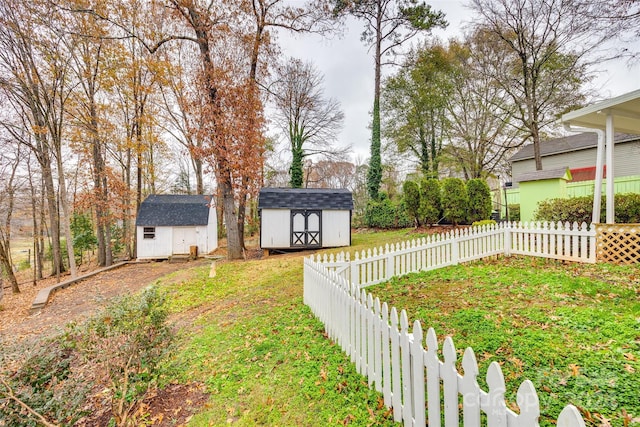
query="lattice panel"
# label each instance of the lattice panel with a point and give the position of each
(618, 243)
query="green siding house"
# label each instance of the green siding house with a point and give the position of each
(575, 154)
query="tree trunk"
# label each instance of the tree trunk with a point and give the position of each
(66, 218)
(234, 247)
(54, 226)
(197, 167)
(5, 263)
(41, 236)
(374, 174)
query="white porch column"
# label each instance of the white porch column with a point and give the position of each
(597, 190)
(610, 169)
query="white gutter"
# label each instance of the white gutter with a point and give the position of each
(597, 191)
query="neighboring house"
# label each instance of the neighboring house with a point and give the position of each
(171, 224)
(303, 218)
(577, 153)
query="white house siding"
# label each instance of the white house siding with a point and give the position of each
(278, 233)
(336, 228)
(626, 160)
(158, 247)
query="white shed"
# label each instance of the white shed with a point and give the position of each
(304, 218)
(169, 224)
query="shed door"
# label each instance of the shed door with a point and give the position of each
(183, 237)
(306, 226)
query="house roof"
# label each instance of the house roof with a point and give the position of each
(567, 144)
(305, 198)
(625, 110)
(545, 174)
(161, 210)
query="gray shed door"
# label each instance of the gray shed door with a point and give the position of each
(306, 226)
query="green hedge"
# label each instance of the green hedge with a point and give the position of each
(579, 209)
(479, 200)
(386, 214)
(455, 201)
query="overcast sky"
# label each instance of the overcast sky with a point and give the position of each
(348, 71)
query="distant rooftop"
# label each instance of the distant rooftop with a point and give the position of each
(567, 144)
(544, 174)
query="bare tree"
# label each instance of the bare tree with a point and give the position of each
(542, 51)
(483, 131)
(33, 74)
(310, 121)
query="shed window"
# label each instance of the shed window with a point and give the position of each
(149, 233)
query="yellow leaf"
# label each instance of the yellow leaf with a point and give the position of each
(575, 369)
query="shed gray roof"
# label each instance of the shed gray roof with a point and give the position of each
(305, 198)
(162, 210)
(543, 174)
(567, 144)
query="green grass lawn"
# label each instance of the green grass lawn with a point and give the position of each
(572, 329)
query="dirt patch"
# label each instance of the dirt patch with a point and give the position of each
(78, 301)
(171, 406)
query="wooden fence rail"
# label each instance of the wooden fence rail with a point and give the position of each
(405, 366)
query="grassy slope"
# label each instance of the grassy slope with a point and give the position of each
(262, 354)
(265, 360)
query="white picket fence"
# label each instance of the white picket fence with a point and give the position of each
(569, 242)
(419, 386)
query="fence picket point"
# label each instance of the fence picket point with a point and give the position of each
(495, 407)
(371, 339)
(570, 417)
(449, 375)
(529, 404)
(386, 357)
(396, 391)
(418, 382)
(377, 331)
(470, 389)
(405, 360)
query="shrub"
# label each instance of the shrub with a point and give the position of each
(580, 209)
(127, 341)
(43, 378)
(479, 195)
(576, 209)
(483, 222)
(412, 200)
(430, 206)
(514, 212)
(84, 239)
(627, 208)
(454, 200)
(386, 214)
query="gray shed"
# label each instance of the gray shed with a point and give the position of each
(299, 218)
(169, 224)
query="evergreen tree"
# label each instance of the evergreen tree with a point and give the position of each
(479, 199)
(430, 201)
(455, 201)
(412, 200)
